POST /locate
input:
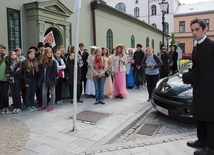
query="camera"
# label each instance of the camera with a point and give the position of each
(11, 79)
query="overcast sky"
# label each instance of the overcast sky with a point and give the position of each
(193, 1)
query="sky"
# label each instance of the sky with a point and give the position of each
(193, 1)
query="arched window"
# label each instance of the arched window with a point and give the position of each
(153, 8)
(132, 41)
(109, 39)
(154, 25)
(147, 42)
(166, 28)
(153, 44)
(121, 7)
(136, 12)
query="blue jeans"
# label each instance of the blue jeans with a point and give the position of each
(30, 92)
(99, 88)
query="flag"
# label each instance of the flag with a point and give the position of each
(77, 5)
(49, 38)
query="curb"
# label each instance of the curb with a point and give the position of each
(111, 137)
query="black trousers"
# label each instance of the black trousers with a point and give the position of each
(15, 90)
(205, 133)
(4, 99)
(151, 83)
(138, 76)
(71, 88)
(58, 89)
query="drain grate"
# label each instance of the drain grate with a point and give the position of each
(149, 129)
(91, 116)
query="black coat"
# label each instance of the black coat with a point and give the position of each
(14, 74)
(84, 68)
(69, 72)
(203, 89)
(28, 75)
(51, 75)
(164, 69)
(173, 60)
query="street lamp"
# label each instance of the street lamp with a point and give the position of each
(163, 7)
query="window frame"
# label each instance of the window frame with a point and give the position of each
(15, 30)
(109, 40)
(181, 25)
(153, 10)
(121, 6)
(136, 12)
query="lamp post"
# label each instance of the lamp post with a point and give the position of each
(163, 7)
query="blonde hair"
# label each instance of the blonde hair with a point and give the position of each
(149, 48)
(46, 60)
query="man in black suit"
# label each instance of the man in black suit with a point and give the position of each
(84, 68)
(201, 78)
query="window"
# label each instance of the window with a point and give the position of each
(14, 29)
(154, 25)
(182, 26)
(207, 22)
(136, 12)
(166, 28)
(147, 42)
(182, 46)
(121, 7)
(153, 8)
(132, 41)
(153, 44)
(109, 40)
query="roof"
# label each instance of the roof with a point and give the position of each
(201, 7)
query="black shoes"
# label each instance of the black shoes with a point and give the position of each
(203, 151)
(101, 102)
(196, 144)
(80, 101)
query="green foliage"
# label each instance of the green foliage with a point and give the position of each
(172, 39)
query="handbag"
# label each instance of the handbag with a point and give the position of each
(107, 73)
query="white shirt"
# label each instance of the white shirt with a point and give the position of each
(201, 41)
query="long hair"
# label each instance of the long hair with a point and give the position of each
(11, 60)
(107, 54)
(28, 65)
(70, 49)
(46, 60)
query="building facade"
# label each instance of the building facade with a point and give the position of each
(183, 17)
(27, 22)
(148, 11)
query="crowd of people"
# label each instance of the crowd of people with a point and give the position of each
(101, 74)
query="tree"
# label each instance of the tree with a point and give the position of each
(173, 39)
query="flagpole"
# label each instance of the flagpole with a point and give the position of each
(75, 72)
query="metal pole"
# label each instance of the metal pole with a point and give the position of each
(75, 72)
(163, 23)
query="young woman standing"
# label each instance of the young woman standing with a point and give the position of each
(119, 71)
(48, 78)
(30, 74)
(13, 71)
(99, 67)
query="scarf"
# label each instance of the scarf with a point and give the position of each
(98, 63)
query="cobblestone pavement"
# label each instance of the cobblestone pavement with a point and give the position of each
(168, 127)
(14, 136)
(171, 132)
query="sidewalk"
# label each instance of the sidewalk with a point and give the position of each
(50, 132)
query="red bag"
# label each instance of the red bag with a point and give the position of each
(60, 73)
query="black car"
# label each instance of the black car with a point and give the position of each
(173, 98)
